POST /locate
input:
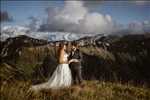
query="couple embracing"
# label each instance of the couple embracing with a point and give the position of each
(67, 72)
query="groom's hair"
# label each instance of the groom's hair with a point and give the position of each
(62, 44)
(74, 44)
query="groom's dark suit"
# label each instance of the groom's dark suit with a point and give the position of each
(76, 66)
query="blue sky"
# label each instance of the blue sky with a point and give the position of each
(122, 12)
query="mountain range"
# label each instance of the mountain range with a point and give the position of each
(13, 31)
(113, 58)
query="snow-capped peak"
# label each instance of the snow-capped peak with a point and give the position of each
(13, 31)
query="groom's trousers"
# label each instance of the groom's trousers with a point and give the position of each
(76, 73)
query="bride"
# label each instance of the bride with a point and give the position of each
(61, 77)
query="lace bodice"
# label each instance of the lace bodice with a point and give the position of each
(65, 57)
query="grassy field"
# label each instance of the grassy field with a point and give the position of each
(91, 90)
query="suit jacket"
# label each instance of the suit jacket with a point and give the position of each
(76, 55)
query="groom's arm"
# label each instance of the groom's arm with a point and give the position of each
(69, 57)
(80, 56)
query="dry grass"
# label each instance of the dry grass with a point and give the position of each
(91, 90)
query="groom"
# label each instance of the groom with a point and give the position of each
(75, 66)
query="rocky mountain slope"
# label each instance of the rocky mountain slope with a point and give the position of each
(109, 58)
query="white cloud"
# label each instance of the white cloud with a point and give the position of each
(142, 2)
(146, 26)
(75, 17)
(96, 23)
(137, 27)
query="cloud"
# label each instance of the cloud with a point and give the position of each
(34, 23)
(146, 25)
(4, 16)
(90, 3)
(137, 27)
(142, 2)
(75, 17)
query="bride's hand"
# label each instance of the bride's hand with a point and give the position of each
(70, 61)
(73, 60)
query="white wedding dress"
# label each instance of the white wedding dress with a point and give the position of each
(60, 78)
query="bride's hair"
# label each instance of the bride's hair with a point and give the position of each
(61, 45)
